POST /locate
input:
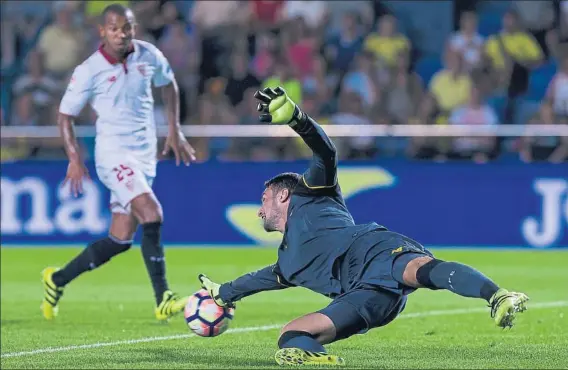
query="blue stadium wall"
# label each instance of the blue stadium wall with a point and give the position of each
(507, 204)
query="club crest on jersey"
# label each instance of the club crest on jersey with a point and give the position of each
(142, 69)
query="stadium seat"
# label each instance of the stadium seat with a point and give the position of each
(494, 6)
(498, 103)
(489, 23)
(426, 67)
(539, 80)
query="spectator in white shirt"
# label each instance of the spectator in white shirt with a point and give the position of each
(315, 13)
(557, 92)
(467, 41)
(474, 113)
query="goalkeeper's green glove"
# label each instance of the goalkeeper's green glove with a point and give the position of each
(277, 107)
(213, 290)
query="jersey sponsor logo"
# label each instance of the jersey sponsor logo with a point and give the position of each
(112, 79)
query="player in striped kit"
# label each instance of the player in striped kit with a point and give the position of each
(117, 81)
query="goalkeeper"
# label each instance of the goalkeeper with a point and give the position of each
(367, 270)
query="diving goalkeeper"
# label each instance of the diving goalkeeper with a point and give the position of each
(367, 270)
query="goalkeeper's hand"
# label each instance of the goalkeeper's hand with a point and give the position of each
(213, 290)
(277, 107)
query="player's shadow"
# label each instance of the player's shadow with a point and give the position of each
(198, 357)
(11, 322)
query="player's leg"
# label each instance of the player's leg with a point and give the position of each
(131, 189)
(148, 211)
(421, 271)
(301, 341)
(96, 254)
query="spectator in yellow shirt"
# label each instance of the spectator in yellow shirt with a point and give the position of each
(284, 77)
(512, 46)
(448, 89)
(387, 44)
(61, 44)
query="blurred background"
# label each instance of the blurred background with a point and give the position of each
(383, 64)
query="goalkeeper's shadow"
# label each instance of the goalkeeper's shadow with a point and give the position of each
(197, 356)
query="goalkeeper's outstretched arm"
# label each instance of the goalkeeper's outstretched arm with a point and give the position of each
(277, 107)
(322, 172)
(265, 279)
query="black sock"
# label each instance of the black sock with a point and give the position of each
(457, 278)
(153, 254)
(300, 339)
(95, 255)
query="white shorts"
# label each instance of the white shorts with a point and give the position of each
(126, 179)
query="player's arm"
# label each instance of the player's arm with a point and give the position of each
(165, 80)
(170, 96)
(322, 172)
(77, 94)
(66, 125)
(265, 279)
(278, 108)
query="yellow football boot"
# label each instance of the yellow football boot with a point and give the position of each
(171, 305)
(51, 294)
(299, 357)
(504, 306)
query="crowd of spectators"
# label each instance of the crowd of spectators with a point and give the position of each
(344, 62)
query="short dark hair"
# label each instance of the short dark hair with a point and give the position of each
(286, 180)
(117, 9)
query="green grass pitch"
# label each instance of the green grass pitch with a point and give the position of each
(106, 316)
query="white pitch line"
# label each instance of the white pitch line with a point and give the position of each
(133, 341)
(255, 329)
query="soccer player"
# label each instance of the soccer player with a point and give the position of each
(366, 269)
(117, 81)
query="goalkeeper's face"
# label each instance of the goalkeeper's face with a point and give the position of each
(274, 209)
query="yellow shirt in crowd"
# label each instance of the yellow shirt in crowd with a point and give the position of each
(520, 45)
(293, 87)
(95, 8)
(450, 92)
(62, 49)
(387, 48)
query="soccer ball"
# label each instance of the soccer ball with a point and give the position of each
(204, 317)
